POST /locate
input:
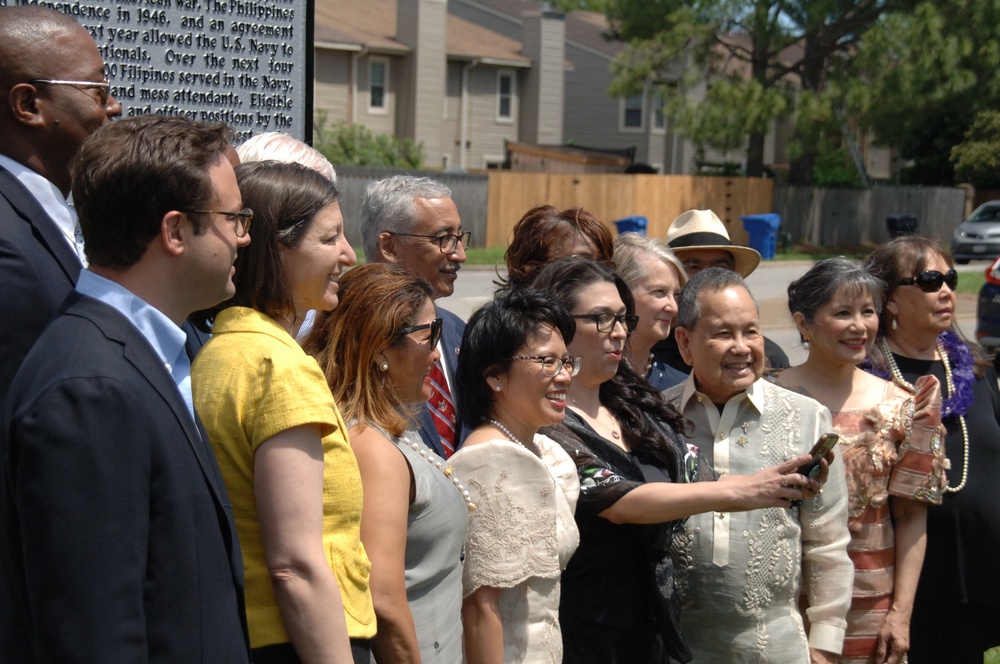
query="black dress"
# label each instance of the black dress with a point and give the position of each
(618, 603)
(956, 613)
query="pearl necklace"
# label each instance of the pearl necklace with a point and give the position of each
(447, 471)
(950, 385)
(499, 425)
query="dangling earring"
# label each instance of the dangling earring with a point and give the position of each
(894, 325)
(384, 366)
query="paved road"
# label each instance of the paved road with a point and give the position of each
(768, 283)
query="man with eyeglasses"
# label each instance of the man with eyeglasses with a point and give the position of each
(117, 539)
(55, 95)
(739, 574)
(414, 222)
(700, 240)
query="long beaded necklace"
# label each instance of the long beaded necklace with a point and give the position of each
(447, 471)
(499, 425)
(950, 385)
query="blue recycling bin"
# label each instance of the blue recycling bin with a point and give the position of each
(763, 232)
(632, 225)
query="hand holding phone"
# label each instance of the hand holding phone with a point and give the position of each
(825, 443)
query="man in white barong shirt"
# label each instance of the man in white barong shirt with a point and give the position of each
(740, 574)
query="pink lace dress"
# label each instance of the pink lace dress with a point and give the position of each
(887, 450)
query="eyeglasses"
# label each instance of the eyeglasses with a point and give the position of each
(447, 243)
(552, 365)
(242, 218)
(435, 326)
(103, 87)
(606, 322)
(931, 280)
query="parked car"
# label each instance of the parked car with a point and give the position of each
(978, 237)
(988, 310)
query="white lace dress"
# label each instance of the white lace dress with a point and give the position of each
(521, 536)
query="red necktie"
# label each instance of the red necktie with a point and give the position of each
(442, 409)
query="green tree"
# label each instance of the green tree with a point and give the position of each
(922, 78)
(356, 145)
(757, 59)
(977, 159)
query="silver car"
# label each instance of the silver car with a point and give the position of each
(978, 237)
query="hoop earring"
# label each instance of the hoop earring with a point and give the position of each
(384, 366)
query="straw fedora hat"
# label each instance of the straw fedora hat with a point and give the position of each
(701, 229)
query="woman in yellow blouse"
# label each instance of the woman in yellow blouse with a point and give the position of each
(279, 438)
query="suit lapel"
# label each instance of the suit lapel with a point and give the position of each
(44, 228)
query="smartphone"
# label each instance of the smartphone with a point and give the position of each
(819, 450)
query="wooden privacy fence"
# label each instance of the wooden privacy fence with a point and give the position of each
(837, 217)
(659, 198)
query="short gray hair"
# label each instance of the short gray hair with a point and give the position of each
(277, 146)
(711, 280)
(817, 286)
(388, 206)
(630, 246)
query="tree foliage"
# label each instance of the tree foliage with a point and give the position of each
(923, 76)
(767, 57)
(977, 158)
(356, 145)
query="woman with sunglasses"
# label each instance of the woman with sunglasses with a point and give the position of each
(513, 373)
(891, 444)
(957, 606)
(637, 480)
(376, 349)
(279, 438)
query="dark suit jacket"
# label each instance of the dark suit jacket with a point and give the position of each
(37, 270)
(451, 340)
(117, 541)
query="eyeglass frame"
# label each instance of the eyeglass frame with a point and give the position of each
(628, 321)
(103, 87)
(571, 363)
(930, 277)
(464, 237)
(242, 221)
(436, 327)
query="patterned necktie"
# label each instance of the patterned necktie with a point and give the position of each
(442, 409)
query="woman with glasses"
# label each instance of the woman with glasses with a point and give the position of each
(377, 349)
(637, 480)
(513, 375)
(279, 438)
(891, 444)
(957, 606)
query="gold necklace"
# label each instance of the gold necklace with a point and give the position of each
(614, 434)
(949, 382)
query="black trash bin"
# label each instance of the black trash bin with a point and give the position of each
(901, 224)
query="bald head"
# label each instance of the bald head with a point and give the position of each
(53, 88)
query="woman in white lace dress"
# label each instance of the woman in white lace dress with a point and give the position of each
(513, 374)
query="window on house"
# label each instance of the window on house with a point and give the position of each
(505, 94)
(659, 123)
(632, 112)
(378, 83)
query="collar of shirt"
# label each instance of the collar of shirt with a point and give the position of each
(47, 195)
(754, 394)
(162, 334)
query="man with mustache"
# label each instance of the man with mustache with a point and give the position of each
(414, 222)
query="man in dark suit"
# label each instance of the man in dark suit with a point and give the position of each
(414, 222)
(55, 95)
(117, 540)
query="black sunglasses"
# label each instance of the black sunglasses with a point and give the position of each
(931, 280)
(435, 326)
